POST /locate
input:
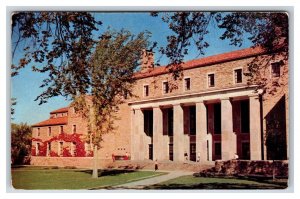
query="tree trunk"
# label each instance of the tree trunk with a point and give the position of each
(95, 165)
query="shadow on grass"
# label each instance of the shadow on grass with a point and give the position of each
(17, 166)
(107, 172)
(215, 186)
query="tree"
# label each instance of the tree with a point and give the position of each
(20, 142)
(116, 58)
(58, 44)
(13, 102)
(78, 65)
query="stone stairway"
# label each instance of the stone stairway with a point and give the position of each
(164, 165)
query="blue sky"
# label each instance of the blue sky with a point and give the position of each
(25, 86)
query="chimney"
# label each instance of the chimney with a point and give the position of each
(147, 61)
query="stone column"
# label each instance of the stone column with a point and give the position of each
(158, 143)
(134, 141)
(255, 125)
(210, 145)
(201, 131)
(178, 142)
(138, 135)
(228, 137)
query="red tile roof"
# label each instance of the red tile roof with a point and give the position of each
(61, 110)
(233, 55)
(52, 121)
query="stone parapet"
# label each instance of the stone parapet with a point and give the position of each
(79, 162)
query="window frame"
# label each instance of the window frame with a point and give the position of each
(185, 83)
(49, 131)
(74, 130)
(146, 94)
(38, 131)
(209, 80)
(167, 88)
(235, 77)
(278, 64)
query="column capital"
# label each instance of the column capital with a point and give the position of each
(156, 106)
(225, 98)
(177, 104)
(200, 102)
(253, 95)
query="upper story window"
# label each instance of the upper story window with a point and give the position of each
(275, 69)
(146, 90)
(165, 87)
(187, 84)
(61, 129)
(125, 94)
(74, 128)
(38, 131)
(238, 76)
(49, 131)
(211, 80)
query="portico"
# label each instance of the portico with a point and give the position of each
(213, 124)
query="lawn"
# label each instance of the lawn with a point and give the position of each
(191, 182)
(54, 178)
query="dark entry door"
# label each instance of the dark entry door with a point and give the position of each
(245, 151)
(150, 152)
(171, 152)
(193, 152)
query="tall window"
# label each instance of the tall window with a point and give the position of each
(165, 87)
(38, 131)
(60, 148)
(276, 69)
(238, 76)
(187, 84)
(37, 150)
(170, 122)
(217, 118)
(211, 80)
(49, 149)
(146, 90)
(74, 128)
(218, 148)
(49, 131)
(245, 117)
(148, 122)
(73, 149)
(192, 110)
(61, 129)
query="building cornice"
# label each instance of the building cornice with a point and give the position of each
(195, 94)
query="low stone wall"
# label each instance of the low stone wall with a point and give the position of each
(250, 167)
(79, 162)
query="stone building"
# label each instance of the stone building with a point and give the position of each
(210, 112)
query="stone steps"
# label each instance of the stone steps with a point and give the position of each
(165, 165)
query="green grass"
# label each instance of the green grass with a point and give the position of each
(53, 178)
(191, 182)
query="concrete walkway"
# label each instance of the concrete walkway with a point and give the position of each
(155, 180)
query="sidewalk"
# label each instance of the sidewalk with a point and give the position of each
(155, 180)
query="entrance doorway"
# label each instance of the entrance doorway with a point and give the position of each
(245, 151)
(171, 152)
(150, 152)
(192, 152)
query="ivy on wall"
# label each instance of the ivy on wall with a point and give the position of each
(70, 138)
